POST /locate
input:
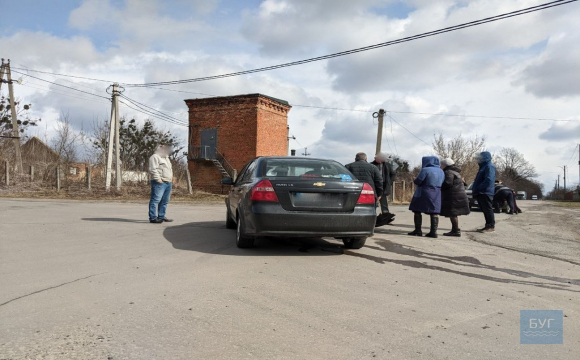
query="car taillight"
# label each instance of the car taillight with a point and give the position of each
(264, 191)
(367, 195)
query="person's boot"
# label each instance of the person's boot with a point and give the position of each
(418, 222)
(453, 232)
(434, 225)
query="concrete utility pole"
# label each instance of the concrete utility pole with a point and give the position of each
(379, 115)
(564, 178)
(15, 132)
(114, 141)
(558, 183)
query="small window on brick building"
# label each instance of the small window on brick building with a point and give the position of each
(72, 170)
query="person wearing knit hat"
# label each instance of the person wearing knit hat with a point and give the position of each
(454, 201)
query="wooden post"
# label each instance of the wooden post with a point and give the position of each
(188, 176)
(404, 192)
(393, 192)
(88, 176)
(57, 178)
(7, 172)
(31, 173)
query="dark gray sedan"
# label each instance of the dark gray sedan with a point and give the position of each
(299, 197)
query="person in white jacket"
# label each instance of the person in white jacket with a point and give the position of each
(161, 175)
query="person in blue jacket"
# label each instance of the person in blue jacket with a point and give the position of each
(427, 196)
(483, 189)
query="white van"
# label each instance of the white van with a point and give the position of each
(534, 197)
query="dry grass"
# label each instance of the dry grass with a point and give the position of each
(568, 204)
(20, 188)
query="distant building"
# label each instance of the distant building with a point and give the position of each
(227, 132)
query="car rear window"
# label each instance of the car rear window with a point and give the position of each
(303, 168)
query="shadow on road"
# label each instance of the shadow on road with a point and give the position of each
(116, 220)
(465, 261)
(212, 237)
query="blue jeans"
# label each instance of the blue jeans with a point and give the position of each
(160, 193)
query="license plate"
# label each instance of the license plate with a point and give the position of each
(317, 200)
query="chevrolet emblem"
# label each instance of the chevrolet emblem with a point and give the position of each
(319, 184)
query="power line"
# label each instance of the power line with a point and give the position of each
(407, 130)
(481, 116)
(57, 84)
(159, 115)
(158, 112)
(367, 48)
(573, 154)
(38, 87)
(148, 114)
(57, 74)
(393, 136)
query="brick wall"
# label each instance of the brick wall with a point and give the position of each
(247, 126)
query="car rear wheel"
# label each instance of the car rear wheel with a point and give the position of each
(242, 240)
(230, 223)
(354, 243)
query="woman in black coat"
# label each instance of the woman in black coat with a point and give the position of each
(454, 200)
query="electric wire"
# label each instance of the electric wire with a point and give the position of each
(398, 123)
(393, 136)
(68, 87)
(366, 48)
(36, 86)
(153, 110)
(57, 74)
(149, 114)
(574, 153)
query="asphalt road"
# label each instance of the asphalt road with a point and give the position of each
(95, 280)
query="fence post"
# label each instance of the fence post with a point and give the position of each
(393, 191)
(58, 178)
(7, 172)
(88, 176)
(404, 192)
(188, 176)
(31, 173)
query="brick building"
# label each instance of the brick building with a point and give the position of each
(227, 132)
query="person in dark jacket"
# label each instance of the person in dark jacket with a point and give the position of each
(503, 193)
(427, 196)
(483, 189)
(454, 201)
(388, 174)
(366, 172)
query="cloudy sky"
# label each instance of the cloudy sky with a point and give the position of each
(523, 67)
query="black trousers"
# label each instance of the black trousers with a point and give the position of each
(486, 207)
(499, 198)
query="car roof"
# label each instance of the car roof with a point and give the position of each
(292, 157)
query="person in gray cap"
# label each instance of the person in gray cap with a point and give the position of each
(454, 201)
(383, 163)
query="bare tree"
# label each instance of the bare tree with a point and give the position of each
(65, 142)
(513, 167)
(461, 150)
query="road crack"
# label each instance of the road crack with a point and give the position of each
(49, 288)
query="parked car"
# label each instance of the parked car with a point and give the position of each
(534, 197)
(472, 201)
(299, 197)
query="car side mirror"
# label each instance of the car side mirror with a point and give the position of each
(227, 181)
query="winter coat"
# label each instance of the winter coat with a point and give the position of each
(485, 178)
(454, 201)
(427, 196)
(160, 168)
(388, 175)
(368, 173)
